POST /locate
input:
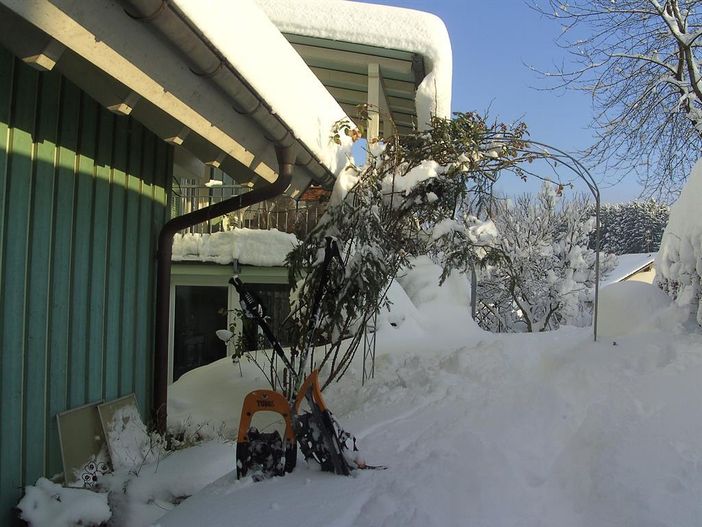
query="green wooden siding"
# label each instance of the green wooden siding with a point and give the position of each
(82, 200)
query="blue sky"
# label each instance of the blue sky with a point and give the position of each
(492, 42)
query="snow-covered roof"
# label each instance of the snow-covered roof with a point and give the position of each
(381, 26)
(628, 264)
(250, 42)
(265, 248)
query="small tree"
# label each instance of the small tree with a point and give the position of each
(409, 184)
(383, 213)
(536, 271)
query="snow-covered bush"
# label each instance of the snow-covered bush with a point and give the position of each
(535, 270)
(679, 260)
(382, 214)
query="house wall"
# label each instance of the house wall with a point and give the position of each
(82, 198)
(647, 276)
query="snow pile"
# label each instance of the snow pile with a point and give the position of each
(47, 504)
(265, 248)
(130, 444)
(210, 397)
(419, 305)
(131, 497)
(274, 69)
(679, 260)
(140, 497)
(535, 430)
(402, 313)
(382, 26)
(421, 282)
(628, 307)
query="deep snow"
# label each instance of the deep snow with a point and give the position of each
(476, 429)
(546, 430)
(679, 259)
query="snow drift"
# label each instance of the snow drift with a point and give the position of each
(679, 260)
(528, 430)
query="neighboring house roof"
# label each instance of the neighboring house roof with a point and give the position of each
(374, 32)
(213, 76)
(628, 265)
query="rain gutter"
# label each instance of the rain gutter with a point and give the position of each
(206, 61)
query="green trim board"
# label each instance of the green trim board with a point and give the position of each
(185, 270)
(359, 82)
(208, 273)
(353, 47)
(263, 275)
(344, 68)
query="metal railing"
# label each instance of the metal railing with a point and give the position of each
(284, 213)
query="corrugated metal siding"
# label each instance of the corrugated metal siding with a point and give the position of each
(82, 199)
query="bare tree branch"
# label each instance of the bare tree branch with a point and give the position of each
(638, 61)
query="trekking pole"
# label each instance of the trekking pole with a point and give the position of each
(331, 251)
(253, 309)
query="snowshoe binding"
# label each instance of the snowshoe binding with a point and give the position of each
(320, 437)
(264, 455)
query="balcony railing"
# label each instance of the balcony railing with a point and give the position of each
(283, 213)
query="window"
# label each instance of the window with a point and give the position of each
(199, 312)
(276, 304)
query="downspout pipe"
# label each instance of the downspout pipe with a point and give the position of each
(286, 163)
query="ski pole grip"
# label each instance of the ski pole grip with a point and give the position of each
(234, 280)
(331, 251)
(248, 301)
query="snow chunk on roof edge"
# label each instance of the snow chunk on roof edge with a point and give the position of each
(265, 248)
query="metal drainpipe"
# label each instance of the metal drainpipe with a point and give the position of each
(286, 163)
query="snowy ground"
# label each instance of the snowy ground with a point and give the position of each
(547, 430)
(511, 430)
(539, 430)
